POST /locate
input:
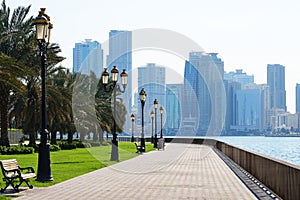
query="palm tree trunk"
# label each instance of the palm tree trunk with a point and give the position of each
(4, 101)
(100, 133)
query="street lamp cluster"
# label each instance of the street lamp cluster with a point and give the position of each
(43, 30)
(114, 88)
(153, 116)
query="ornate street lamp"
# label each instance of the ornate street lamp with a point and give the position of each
(43, 28)
(161, 124)
(152, 117)
(155, 131)
(143, 96)
(114, 88)
(132, 120)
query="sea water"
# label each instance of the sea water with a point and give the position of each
(282, 148)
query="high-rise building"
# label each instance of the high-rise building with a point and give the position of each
(120, 55)
(297, 98)
(153, 79)
(87, 55)
(276, 81)
(203, 81)
(173, 107)
(239, 76)
(249, 109)
(120, 50)
(230, 87)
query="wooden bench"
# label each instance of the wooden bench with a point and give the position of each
(139, 149)
(13, 173)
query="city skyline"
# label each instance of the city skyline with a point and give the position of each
(247, 35)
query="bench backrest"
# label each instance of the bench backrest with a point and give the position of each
(9, 164)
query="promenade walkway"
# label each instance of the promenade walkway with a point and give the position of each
(182, 171)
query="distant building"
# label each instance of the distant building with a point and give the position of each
(173, 106)
(250, 104)
(203, 77)
(230, 87)
(239, 76)
(153, 79)
(297, 98)
(284, 121)
(86, 56)
(120, 50)
(276, 81)
(120, 55)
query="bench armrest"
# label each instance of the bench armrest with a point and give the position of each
(29, 169)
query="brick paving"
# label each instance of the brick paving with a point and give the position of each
(182, 171)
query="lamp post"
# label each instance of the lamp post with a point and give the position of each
(43, 28)
(152, 117)
(161, 124)
(132, 120)
(143, 96)
(114, 88)
(155, 134)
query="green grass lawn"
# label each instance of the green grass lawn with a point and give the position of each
(67, 164)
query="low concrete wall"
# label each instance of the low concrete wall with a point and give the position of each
(281, 177)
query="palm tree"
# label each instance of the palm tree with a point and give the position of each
(18, 42)
(60, 108)
(104, 110)
(15, 32)
(10, 71)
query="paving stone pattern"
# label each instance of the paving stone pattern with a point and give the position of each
(181, 171)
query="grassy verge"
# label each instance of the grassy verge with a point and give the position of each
(67, 164)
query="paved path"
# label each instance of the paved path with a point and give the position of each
(182, 171)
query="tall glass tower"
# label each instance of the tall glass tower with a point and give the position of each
(120, 55)
(88, 53)
(202, 76)
(276, 81)
(297, 98)
(152, 78)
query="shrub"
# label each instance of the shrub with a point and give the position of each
(86, 145)
(79, 145)
(54, 147)
(3, 149)
(106, 143)
(67, 146)
(19, 149)
(35, 147)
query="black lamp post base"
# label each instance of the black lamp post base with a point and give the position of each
(143, 145)
(44, 169)
(114, 152)
(155, 141)
(132, 138)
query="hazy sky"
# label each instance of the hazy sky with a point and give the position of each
(246, 34)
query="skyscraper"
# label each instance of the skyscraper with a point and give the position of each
(249, 109)
(297, 98)
(86, 56)
(120, 50)
(203, 81)
(240, 77)
(276, 81)
(120, 55)
(173, 106)
(231, 87)
(153, 79)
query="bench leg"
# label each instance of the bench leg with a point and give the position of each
(9, 182)
(27, 183)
